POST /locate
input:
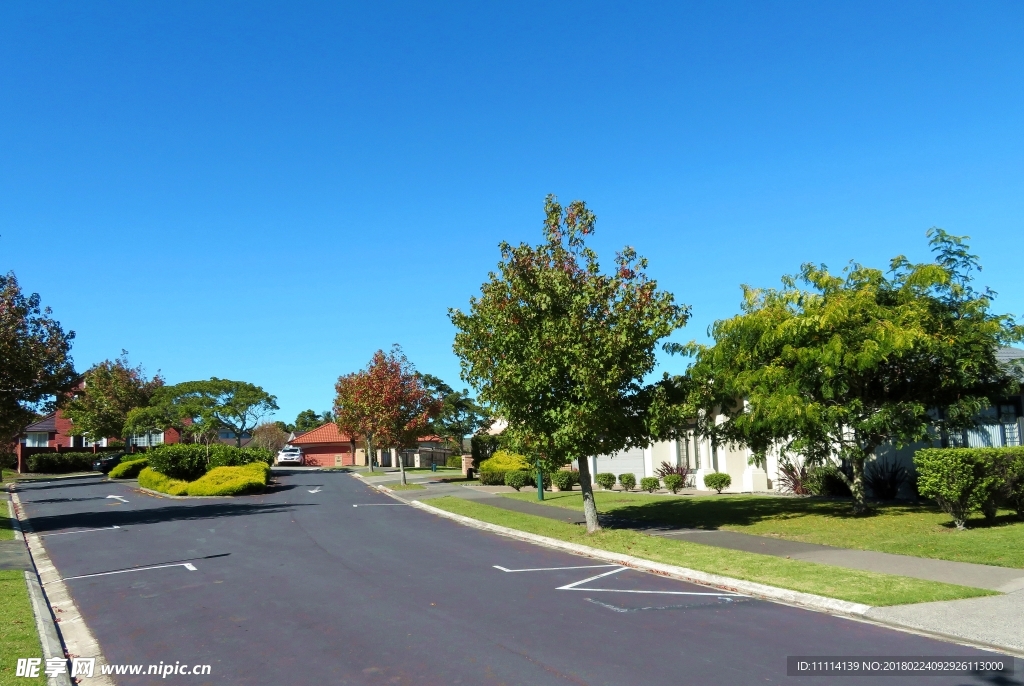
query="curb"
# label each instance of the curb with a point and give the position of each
(782, 595)
(75, 639)
(158, 494)
(47, 628)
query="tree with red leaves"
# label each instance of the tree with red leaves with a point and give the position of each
(386, 404)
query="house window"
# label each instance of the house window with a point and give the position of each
(144, 440)
(37, 439)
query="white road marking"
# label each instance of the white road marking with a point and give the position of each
(550, 569)
(187, 565)
(117, 497)
(315, 490)
(80, 531)
(379, 505)
(575, 586)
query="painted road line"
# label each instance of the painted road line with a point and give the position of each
(379, 505)
(315, 490)
(117, 497)
(576, 587)
(187, 565)
(550, 569)
(569, 587)
(80, 531)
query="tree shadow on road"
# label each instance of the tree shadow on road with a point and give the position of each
(155, 515)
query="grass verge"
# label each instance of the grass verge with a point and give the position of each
(18, 636)
(833, 582)
(901, 529)
(406, 487)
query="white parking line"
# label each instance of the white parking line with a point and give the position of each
(550, 569)
(576, 585)
(187, 565)
(80, 531)
(379, 505)
(117, 497)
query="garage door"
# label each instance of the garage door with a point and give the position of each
(625, 462)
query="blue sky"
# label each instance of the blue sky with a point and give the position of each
(272, 191)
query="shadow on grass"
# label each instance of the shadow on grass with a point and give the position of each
(154, 515)
(714, 513)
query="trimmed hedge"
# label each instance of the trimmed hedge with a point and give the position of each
(128, 470)
(650, 484)
(717, 481)
(965, 480)
(673, 482)
(219, 481)
(62, 463)
(628, 481)
(565, 479)
(453, 462)
(518, 480)
(605, 480)
(189, 461)
(504, 461)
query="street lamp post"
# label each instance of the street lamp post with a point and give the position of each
(540, 480)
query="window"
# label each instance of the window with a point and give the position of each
(144, 440)
(37, 439)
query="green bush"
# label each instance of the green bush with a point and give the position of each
(565, 479)
(221, 481)
(61, 463)
(605, 480)
(155, 481)
(673, 482)
(966, 480)
(717, 481)
(650, 484)
(189, 461)
(129, 469)
(453, 462)
(628, 481)
(825, 480)
(493, 478)
(504, 461)
(517, 480)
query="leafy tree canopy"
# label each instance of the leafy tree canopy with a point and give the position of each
(110, 391)
(560, 350)
(36, 370)
(203, 406)
(460, 415)
(307, 420)
(849, 362)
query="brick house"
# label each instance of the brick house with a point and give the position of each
(52, 434)
(326, 446)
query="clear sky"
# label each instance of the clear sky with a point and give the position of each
(272, 191)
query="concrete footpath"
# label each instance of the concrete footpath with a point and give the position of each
(996, 620)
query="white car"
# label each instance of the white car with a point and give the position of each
(289, 455)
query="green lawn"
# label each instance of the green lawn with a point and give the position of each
(6, 524)
(18, 636)
(406, 487)
(920, 530)
(833, 582)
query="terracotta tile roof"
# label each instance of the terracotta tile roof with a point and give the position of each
(328, 433)
(430, 439)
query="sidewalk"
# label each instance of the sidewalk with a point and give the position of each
(996, 620)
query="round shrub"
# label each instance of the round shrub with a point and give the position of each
(128, 470)
(961, 480)
(517, 480)
(504, 461)
(605, 480)
(650, 484)
(628, 481)
(717, 481)
(673, 482)
(182, 461)
(565, 479)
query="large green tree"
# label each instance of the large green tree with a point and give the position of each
(36, 370)
(200, 406)
(834, 366)
(561, 350)
(110, 391)
(460, 415)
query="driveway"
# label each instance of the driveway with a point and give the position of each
(323, 580)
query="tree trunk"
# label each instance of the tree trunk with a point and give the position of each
(368, 442)
(857, 485)
(589, 505)
(401, 464)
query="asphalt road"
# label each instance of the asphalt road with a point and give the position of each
(344, 586)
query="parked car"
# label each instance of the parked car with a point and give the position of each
(289, 455)
(105, 463)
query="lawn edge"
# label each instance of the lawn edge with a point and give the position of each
(751, 588)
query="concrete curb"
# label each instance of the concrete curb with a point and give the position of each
(158, 494)
(71, 629)
(47, 628)
(18, 536)
(781, 595)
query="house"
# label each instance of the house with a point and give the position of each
(52, 434)
(326, 446)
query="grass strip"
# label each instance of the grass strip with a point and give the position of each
(406, 487)
(919, 530)
(18, 635)
(853, 585)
